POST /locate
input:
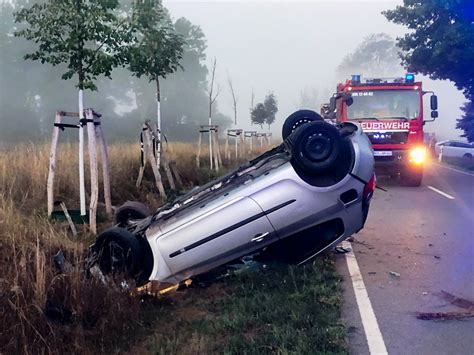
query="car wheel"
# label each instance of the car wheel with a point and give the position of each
(467, 156)
(131, 210)
(121, 255)
(297, 119)
(316, 147)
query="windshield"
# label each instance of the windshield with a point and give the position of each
(384, 104)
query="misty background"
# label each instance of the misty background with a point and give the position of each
(297, 50)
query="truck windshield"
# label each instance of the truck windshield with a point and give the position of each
(384, 104)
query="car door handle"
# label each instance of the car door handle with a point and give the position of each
(259, 237)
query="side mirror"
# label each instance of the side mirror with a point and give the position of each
(434, 103)
(332, 104)
(348, 100)
(434, 114)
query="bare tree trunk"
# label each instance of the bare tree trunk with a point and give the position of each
(158, 117)
(234, 98)
(82, 187)
(212, 99)
(210, 140)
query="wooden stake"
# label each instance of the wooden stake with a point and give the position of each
(149, 153)
(175, 171)
(226, 148)
(94, 198)
(143, 159)
(215, 152)
(166, 166)
(104, 157)
(52, 164)
(236, 139)
(218, 149)
(198, 156)
(68, 219)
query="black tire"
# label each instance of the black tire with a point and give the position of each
(122, 255)
(131, 210)
(298, 118)
(316, 147)
(412, 178)
(467, 156)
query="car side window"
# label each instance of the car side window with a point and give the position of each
(460, 145)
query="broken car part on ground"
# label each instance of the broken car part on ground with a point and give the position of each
(292, 202)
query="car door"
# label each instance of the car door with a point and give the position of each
(448, 150)
(221, 234)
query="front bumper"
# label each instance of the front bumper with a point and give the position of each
(397, 161)
(390, 157)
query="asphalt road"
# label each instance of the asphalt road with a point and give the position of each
(426, 237)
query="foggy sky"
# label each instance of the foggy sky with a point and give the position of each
(286, 46)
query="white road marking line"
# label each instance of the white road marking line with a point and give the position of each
(369, 321)
(441, 192)
(453, 169)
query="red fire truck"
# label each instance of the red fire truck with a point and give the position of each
(390, 111)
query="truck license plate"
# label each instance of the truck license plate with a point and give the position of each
(383, 153)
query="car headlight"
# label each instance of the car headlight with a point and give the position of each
(418, 155)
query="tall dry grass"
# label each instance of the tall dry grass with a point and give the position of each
(44, 310)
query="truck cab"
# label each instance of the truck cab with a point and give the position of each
(390, 111)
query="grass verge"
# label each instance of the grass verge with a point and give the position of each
(43, 310)
(281, 309)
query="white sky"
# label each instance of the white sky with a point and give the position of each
(285, 46)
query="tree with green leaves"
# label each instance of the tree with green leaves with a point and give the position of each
(156, 49)
(376, 55)
(258, 114)
(85, 36)
(271, 108)
(440, 44)
(466, 123)
(265, 113)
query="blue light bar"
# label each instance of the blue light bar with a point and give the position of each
(355, 79)
(409, 78)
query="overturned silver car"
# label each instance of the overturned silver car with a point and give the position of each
(292, 202)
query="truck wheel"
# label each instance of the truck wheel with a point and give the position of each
(122, 255)
(298, 118)
(316, 147)
(412, 178)
(131, 210)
